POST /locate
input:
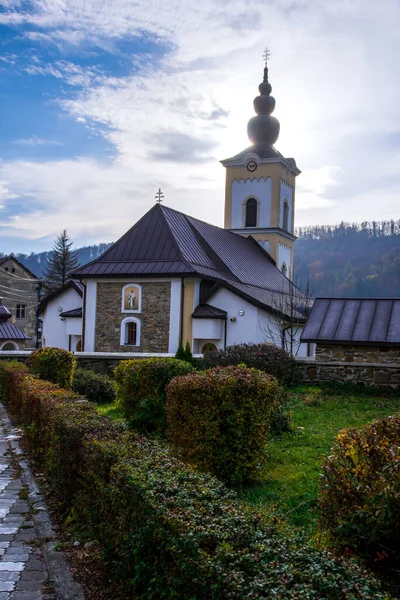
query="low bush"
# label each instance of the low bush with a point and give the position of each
(55, 365)
(360, 490)
(219, 420)
(95, 387)
(265, 357)
(166, 530)
(141, 390)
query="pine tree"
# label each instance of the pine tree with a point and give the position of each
(61, 262)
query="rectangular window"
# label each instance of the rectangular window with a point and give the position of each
(131, 334)
(21, 311)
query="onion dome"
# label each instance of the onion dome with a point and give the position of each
(4, 312)
(263, 129)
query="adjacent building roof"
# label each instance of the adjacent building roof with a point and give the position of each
(206, 311)
(70, 284)
(11, 257)
(168, 243)
(354, 321)
(9, 331)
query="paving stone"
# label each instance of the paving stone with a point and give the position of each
(16, 557)
(11, 566)
(34, 575)
(35, 565)
(10, 575)
(7, 586)
(28, 584)
(26, 595)
(22, 568)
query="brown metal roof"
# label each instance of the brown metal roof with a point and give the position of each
(206, 311)
(355, 321)
(166, 242)
(73, 313)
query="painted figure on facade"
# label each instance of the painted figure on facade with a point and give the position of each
(131, 298)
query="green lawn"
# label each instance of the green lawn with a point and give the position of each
(112, 410)
(293, 468)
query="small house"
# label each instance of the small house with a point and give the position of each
(11, 337)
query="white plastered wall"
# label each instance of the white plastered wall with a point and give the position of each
(55, 332)
(254, 326)
(261, 189)
(284, 256)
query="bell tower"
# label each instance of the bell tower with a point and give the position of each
(260, 185)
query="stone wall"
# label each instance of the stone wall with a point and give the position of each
(362, 373)
(154, 318)
(358, 354)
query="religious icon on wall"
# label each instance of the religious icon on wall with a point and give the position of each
(131, 298)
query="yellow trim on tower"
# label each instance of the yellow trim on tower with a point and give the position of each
(188, 307)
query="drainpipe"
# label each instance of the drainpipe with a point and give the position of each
(83, 317)
(181, 317)
(225, 334)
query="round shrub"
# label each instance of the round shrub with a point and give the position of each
(55, 365)
(141, 390)
(95, 387)
(265, 357)
(219, 420)
(360, 490)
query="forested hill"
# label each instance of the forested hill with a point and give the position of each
(37, 262)
(337, 260)
(349, 259)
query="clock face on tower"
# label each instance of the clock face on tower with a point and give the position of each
(251, 166)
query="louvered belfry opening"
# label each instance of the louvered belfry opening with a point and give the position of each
(251, 213)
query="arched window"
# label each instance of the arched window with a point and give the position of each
(209, 347)
(130, 332)
(284, 269)
(7, 346)
(251, 213)
(285, 220)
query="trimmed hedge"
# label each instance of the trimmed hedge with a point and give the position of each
(166, 530)
(219, 420)
(95, 387)
(55, 365)
(265, 357)
(360, 490)
(141, 390)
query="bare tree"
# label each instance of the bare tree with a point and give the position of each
(289, 312)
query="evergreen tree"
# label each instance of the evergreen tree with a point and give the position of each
(61, 262)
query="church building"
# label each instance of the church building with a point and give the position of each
(174, 279)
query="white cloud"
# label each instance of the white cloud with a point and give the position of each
(338, 97)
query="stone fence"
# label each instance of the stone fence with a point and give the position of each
(309, 370)
(100, 362)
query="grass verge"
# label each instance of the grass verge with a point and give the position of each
(290, 481)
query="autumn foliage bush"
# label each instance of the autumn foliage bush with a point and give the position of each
(360, 490)
(141, 390)
(165, 530)
(265, 357)
(94, 386)
(55, 365)
(219, 420)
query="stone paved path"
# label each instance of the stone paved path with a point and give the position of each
(30, 568)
